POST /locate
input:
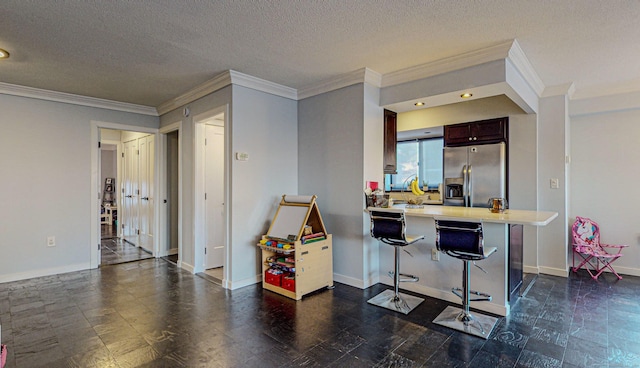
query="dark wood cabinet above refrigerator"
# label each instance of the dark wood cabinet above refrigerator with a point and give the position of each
(477, 132)
(390, 142)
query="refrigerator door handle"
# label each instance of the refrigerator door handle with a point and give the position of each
(465, 186)
(470, 185)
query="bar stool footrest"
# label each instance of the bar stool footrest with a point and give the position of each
(484, 297)
(477, 324)
(405, 278)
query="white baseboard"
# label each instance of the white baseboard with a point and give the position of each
(554, 271)
(625, 270)
(44, 272)
(172, 251)
(232, 285)
(348, 280)
(629, 271)
(530, 269)
(187, 267)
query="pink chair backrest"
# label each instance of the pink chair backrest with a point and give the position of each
(586, 232)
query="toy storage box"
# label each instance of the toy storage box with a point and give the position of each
(313, 261)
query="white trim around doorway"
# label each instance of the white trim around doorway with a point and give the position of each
(96, 186)
(199, 206)
(162, 187)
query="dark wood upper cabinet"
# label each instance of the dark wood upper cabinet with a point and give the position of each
(390, 141)
(477, 132)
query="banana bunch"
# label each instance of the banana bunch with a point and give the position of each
(415, 187)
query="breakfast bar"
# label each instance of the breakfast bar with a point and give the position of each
(438, 273)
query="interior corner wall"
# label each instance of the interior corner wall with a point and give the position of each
(46, 179)
(373, 146)
(331, 156)
(266, 127)
(553, 121)
(523, 184)
(604, 160)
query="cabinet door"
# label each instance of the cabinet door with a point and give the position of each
(390, 141)
(457, 134)
(489, 131)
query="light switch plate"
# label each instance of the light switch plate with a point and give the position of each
(554, 183)
(242, 156)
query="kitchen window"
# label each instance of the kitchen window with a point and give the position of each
(422, 158)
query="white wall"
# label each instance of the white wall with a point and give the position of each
(605, 152)
(265, 126)
(553, 122)
(523, 184)
(46, 180)
(373, 152)
(331, 159)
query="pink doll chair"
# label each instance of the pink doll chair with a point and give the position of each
(595, 256)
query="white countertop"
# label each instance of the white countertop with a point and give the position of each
(521, 217)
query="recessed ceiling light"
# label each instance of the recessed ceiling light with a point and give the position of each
(419, 103)
(4, 54)
(466, 95)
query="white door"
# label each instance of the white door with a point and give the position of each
(214, 189)
(146, 163)
(130, 189)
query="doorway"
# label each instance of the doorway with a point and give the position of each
(211, 194)
(170, 251)
(118, 150)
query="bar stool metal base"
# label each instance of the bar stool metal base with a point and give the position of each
(403, 303)
(477, 324)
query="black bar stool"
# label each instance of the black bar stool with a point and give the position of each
(388, 226)
(464, 240)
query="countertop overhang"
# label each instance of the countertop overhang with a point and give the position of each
(510, 216)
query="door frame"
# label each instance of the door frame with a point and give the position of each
(161, 146)
(96, 191)
(199, 191)
(117, 184)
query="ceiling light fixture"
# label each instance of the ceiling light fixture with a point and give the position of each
(466, 95)
(4, 54)
(419, 103)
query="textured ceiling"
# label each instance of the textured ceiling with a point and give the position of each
(147, 52)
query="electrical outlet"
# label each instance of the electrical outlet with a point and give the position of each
(51, 241)
(554, 183)
(435, 255)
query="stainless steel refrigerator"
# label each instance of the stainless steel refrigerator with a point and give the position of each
(473, 174)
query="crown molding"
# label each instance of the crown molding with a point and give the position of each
(222, 80)
(47, 95)
(218, 82)
(446, 65)
(522, 64)
(263, 85)
(364, 75)
(567, 89)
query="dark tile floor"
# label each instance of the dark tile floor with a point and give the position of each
(114, 250)
(152, 314)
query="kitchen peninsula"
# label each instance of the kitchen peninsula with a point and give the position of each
(438, 273)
